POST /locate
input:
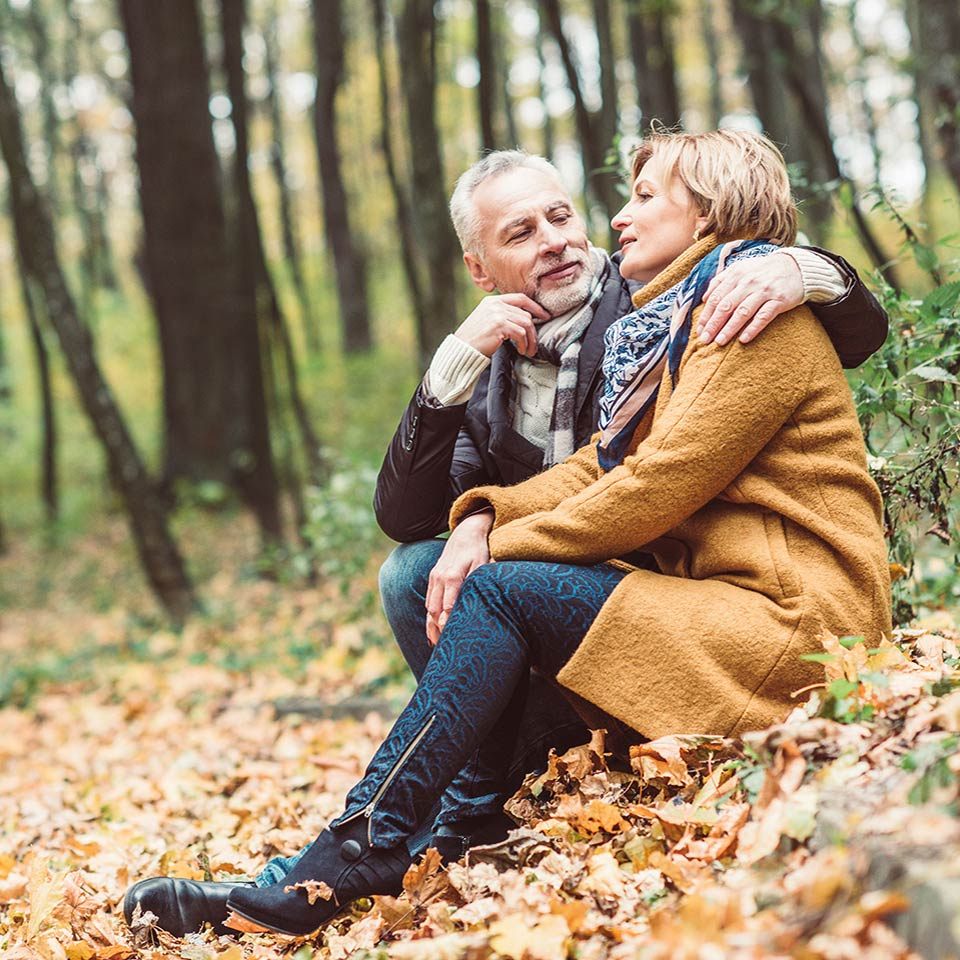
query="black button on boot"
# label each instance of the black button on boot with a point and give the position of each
(342, 859)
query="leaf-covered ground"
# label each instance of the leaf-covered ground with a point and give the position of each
(165, 754)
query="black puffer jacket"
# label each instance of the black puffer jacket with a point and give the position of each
(438, 453)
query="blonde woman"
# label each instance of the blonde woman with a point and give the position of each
(745, 479)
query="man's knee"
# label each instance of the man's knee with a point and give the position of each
(404, 574)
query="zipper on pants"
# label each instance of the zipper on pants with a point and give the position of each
(368, 810)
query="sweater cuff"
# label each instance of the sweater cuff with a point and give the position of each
(454, 371)
(823, 280)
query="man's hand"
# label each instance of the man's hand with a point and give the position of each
(507, 316)
(466, 550)
(745, 297)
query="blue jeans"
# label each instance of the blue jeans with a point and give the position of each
(466, 723)
(547, 720)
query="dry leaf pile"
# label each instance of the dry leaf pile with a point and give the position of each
(694, 847)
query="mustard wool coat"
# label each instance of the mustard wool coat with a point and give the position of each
(749, 485)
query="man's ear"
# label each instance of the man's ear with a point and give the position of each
(478, 273)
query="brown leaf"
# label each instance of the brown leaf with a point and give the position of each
(314, 889)
(427, 880)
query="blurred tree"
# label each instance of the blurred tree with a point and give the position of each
(401, 199)
(35, 238)
(650, 30)
(777, 109)
(486, 64)
(599, 175)
(214, 404)
(549, 133)
(86, 179)
(250, 263)
(433, 233)
(607, 117)
(290, 235)
(708, 29)
(936, 40)
(349, 260)
(49, 477)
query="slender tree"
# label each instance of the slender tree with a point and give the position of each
(401, 198)
(432, 230)
(253, 274)
(289, 231)
(936, 39)
(549, 133)
(607, 117)
(49, 476)
(650, 32)
(349, 261)
(711, 46)
(215, 414)
(486, 85)
(35, 237)
(601, 183)
(806, 86)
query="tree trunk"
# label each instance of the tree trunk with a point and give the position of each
(650, 30)
(549, 133)
(254, 277)
(289, 233)
(35, 238)
(349, 261)
(400, 199)
(600, 184)
(49, 480)
(486, 64)
(214, 403)
(938, 32)
(708, 26)
(804, 88)
(432, 230)
(607, 120)
(780, 112)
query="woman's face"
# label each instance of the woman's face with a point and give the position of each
(656, 224)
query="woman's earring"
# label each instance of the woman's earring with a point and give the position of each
(696, 234)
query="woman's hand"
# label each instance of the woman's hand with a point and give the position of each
(466, 550)
(745, 297)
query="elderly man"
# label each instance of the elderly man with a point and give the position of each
(511, 392)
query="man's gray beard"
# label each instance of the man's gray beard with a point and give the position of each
(560, 300)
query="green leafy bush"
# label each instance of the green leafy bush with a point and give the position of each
(907, 398)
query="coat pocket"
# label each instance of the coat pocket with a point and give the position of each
(791, 584)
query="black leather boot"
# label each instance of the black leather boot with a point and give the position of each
(452, 841)
(182, 906)
(345, 861)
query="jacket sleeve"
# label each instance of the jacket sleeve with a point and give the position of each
(720, 416)
(541, 492)
(431, 459)
(856, 323)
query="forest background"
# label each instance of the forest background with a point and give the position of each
(225, 259)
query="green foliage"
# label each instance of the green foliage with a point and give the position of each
(932, 762)
(341, 533)
(907, 398)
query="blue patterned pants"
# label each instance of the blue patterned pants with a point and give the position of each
(467, 715)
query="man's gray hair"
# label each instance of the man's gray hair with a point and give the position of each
(463, 212)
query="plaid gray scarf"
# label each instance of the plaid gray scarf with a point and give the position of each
(562, 349)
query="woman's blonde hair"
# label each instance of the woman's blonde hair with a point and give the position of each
(738, 180)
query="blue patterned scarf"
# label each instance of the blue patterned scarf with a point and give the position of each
(639, 345)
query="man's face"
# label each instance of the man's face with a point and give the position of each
(534, 242)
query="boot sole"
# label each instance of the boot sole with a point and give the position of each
(253, 925)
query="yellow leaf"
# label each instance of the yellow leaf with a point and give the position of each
(518, 939)
(897, 572)
(80, 950)
(44, 893)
